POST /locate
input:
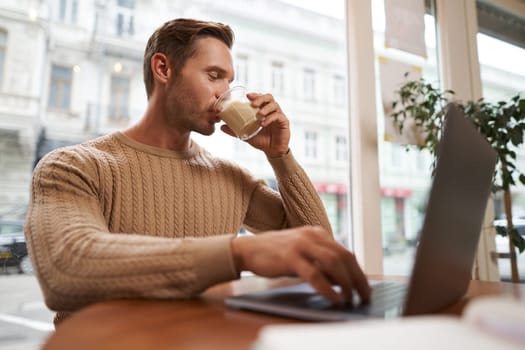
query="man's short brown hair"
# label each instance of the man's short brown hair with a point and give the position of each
(176, 39)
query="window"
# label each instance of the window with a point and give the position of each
(403, 190)
(129, 4)
(308, 83)
(62, 10)
(277, 77)
(339, 90)
(310, 144)
(241, 70)
(502, 69)
(60, 88)
(502, 77)
(68, 11)
(341, 149)
(125, 22)
(272, 59)
(119, 107)
(3, 49)
(74, 11)
(267, 58)
(304, 40)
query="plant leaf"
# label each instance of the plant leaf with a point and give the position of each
(501, 230)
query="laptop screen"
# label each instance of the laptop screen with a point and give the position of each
(447, 242)
(454, 216)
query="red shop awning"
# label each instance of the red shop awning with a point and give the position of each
(331, 188)
(395, 192)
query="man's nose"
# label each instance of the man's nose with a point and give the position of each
(222, 89)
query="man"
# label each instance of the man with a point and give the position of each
(148, 213)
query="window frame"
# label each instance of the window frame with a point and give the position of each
(125, 19)
(242, 72)
(309, 83)
(120, 98)
(4, 38)
(277, 77)
(311, 145)
(57, 104)
(68, 11)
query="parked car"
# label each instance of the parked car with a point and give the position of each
(13, 249)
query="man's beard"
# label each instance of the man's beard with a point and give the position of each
(184, 116)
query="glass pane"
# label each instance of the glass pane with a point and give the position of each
(2, 59)
(339, 89)
(120, 24)
(3, 39)
(60, 87)
(119, 102)
(62, 9)
(277, 77)
(309, 83)
(130, 4)
(307, 62)
(273, 46)
(242, 70)
(3, 45)
(74, 11)
(502, 77)
(310, 144)
(404, 175)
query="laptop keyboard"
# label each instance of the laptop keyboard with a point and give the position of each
(386, 297)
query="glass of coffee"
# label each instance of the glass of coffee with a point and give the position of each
(235, 110)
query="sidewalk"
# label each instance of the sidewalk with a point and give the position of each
(25, 321)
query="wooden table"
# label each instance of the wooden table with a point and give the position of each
(203, 323)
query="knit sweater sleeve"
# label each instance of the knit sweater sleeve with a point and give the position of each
(78, 261)
(297, 203)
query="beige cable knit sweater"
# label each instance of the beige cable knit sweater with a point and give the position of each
(113, 218)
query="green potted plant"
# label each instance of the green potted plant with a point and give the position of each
(502, 123)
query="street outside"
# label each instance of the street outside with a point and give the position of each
(25, 321)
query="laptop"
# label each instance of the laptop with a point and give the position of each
(446, 247)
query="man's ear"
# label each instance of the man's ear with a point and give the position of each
(160, 66)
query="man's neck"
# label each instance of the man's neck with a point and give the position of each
(152, 131)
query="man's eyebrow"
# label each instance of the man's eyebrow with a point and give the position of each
(219, 70)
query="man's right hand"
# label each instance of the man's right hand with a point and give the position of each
(307, 252)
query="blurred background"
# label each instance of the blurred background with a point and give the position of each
(71, 70)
